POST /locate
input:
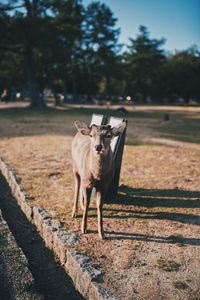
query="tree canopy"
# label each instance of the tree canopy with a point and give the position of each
(68, 48)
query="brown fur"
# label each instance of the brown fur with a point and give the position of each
(92, 168)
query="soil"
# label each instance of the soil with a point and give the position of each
(152, 246)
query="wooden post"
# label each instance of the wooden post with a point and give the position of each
(117, 148)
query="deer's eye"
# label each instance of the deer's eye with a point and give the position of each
(90, 135)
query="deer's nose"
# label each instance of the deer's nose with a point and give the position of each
(98, 147)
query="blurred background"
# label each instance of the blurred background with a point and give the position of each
(132, 59)
(73, 51)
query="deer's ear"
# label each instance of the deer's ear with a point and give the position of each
(118, 128)
(82, 127)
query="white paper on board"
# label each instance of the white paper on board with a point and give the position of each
(96, 119)
(113, 122)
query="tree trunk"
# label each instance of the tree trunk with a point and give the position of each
(74, 88)
(36, 100)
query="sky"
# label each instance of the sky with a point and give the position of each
(178, 21)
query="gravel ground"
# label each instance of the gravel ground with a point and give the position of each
(16, 280)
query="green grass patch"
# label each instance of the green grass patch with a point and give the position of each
(142, 125)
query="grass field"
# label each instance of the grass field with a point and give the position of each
(183, 126)
(152, 228)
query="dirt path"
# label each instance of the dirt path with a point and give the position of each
(51, 280)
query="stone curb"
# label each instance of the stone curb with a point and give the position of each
(87, 278)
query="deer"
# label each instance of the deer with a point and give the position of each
(93, 167)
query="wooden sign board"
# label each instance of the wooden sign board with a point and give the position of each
(117, 146)
(98, 120)
(113, 122)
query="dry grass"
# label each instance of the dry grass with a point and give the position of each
(156, 216)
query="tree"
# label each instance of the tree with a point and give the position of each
(25, 21)
(59, 45)
(45, 35)
(10, 55)
(143, 62)
(101, 48)
(67, 46)
(181, 74)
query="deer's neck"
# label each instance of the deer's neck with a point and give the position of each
(100, 165)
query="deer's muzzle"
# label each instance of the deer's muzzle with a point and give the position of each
(98, 147)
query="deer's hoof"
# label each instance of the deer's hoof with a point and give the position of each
(102, 237)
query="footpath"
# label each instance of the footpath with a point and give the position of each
(16, 280)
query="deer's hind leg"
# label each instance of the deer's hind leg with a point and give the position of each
(76, 194)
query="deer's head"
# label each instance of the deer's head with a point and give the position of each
(100, 136)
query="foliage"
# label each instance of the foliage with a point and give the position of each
(143, 62)
(181, 74)
(62, 46)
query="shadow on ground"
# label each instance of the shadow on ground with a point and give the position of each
(158, 198)
(154, 198)
(144, 202)
(173, 239)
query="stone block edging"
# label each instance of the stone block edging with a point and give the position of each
(87, 278)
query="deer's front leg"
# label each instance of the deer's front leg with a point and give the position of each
(86, 194)
(100, 195)
(81, 199)
(76, 194)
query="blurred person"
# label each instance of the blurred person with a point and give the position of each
(5, 95)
